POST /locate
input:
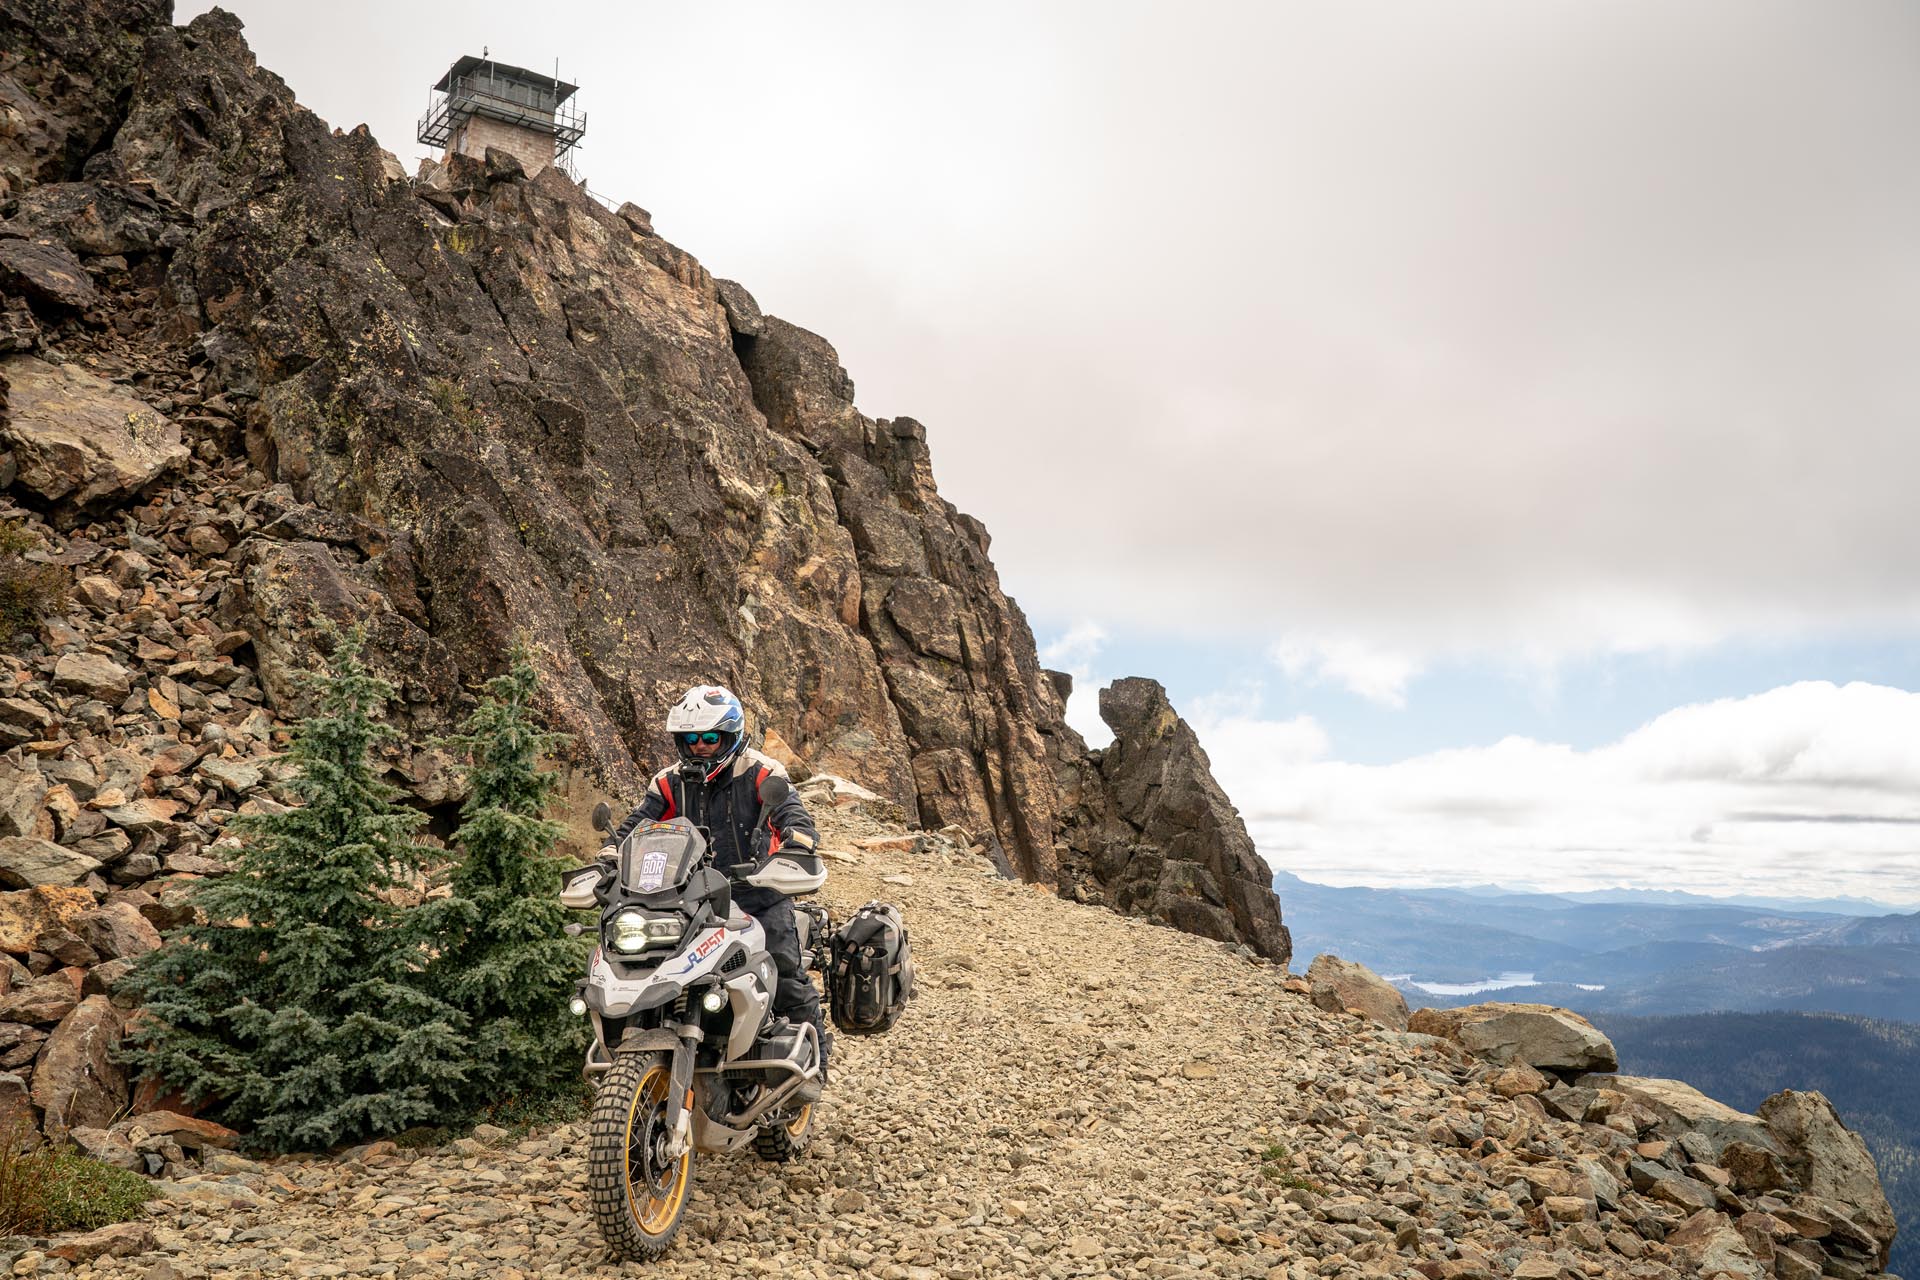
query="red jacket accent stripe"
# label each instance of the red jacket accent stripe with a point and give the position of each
(774, 845)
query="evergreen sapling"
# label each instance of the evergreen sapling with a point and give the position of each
(298, 1003)
(505, 960)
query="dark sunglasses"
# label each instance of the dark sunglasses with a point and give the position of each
(709, 737)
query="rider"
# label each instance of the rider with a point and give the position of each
(716, 785)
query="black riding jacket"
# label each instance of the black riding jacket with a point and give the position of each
(727, 807)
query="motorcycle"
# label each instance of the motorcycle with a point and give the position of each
(679, 993)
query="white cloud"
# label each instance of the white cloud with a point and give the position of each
(1377, 675)
(1809, 789)
(1075, 648)
(1269, 744)
(1856, 737)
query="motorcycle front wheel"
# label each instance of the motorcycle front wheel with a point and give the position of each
(638, 1191)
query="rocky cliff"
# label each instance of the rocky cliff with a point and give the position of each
(465, 406)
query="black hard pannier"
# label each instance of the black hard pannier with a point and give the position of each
(868, 966)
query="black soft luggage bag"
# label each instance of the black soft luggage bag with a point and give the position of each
(869, 970)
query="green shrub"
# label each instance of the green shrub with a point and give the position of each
(47, 1190)
(84, 1195)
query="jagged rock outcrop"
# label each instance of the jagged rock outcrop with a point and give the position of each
(1154, 834)
(64, 69)
(1829, 1160)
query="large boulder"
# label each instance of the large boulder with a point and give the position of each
(22, 808)
(743, 313)
(46, 272)
(82, 441)
(40, 1001)
(1540, 1035)
(77, 1080)
(28, 916)
(1337, 984)
(92, 674)
(118, 931)
(119, 1240)
(191, 1132)
(1829, 1159)
(26, 861)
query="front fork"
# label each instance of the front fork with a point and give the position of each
(679, 1118)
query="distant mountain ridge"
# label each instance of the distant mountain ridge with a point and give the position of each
(1652, 953)
(1670, 897)
(1799, 906)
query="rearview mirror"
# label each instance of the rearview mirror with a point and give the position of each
(773, 792)
(603, 818)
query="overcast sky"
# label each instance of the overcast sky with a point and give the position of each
(1397, 382)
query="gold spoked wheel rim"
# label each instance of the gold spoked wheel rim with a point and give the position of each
(797, 1126)
(656, 1185)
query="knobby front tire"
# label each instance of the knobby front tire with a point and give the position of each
(638, 1193)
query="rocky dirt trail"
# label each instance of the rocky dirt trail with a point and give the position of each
(1073, 1093)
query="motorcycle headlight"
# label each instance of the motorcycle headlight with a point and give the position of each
(634, 931)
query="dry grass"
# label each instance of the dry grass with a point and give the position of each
(28, 591)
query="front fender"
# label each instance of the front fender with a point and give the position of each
(641, 1038)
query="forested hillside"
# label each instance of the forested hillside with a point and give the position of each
(1868, 1069)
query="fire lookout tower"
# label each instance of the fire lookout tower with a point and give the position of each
(481, 103)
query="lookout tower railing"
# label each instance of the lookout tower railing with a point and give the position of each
(512, 96)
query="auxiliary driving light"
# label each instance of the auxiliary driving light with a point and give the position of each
(577, 1007)
(713, 1000)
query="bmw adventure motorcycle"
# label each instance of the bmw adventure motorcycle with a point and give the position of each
(688, 1053)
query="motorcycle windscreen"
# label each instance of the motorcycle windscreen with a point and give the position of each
(659, 856)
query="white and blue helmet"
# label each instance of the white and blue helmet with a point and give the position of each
(704, 709)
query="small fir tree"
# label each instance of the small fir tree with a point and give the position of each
(297, 1002)
(505, 960)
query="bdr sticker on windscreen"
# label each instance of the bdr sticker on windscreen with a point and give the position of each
(653, 868)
